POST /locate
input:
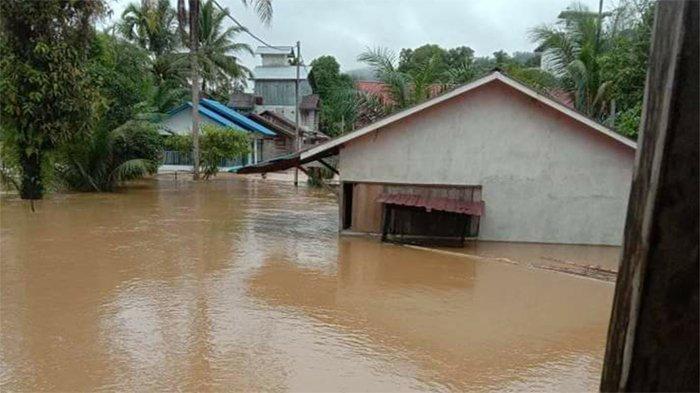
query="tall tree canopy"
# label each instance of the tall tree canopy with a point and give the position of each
(151, 24)
(218, 50)
(338, 97)
(46, 92)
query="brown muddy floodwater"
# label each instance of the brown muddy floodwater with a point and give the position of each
(239, 284)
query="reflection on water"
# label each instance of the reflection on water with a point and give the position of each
(244, 285)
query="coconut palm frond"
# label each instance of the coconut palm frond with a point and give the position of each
(602, 94)
(133, 169)
(263, 8)
(380, 59)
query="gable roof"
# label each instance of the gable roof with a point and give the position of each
(494, 76)
(204, 111)
(281, 119)
(235, 117)
(280, 128)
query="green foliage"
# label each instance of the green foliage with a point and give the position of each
(325, 77)
(46, 93)
(599, 64)
(120, 70)
(625, 63)
(414, 62)
(399, 84)
(216, 145)
(628, 120)
(218, 52)
(337, 95)
(108, 157)
(151, 25)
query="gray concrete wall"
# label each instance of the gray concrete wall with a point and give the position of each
(281, 92)
(545, 177)
(181, 123)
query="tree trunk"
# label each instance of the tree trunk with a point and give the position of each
(194, 46)
(31, 186)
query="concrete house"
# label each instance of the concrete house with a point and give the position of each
(179, 121)
(275, 83)
(492, 159)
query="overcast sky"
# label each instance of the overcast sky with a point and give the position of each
(344, 28)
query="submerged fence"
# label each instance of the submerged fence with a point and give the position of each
(178, 158)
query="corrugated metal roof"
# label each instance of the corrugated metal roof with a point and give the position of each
(275, 50)
(441, 204)
(215, 117)
(278, 73)
(278, 128)
(236, 117)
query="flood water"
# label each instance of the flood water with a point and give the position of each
(245, 285)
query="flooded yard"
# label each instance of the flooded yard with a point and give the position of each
(240, 284)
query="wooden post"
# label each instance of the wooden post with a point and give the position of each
(653, 335)
(296, 112)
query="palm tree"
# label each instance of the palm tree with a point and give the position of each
(217, 49)
(188, 24)
(573, 48)
(383, 63)
(108, 157)
(404, 88)
(151, 25)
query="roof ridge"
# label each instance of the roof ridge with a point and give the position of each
(462, 89)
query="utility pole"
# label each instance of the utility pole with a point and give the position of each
(296, 112)
(194, 47)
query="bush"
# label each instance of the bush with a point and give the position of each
(105, 158)
(215, 145)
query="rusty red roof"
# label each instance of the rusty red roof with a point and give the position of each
(441, 204)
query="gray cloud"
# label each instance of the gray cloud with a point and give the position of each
(343, 28)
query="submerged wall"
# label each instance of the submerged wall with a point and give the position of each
(545, 177)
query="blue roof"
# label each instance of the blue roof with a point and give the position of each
(215, 117)
(236, 117)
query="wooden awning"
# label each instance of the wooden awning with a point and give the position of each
(286, 162)
(440, 204)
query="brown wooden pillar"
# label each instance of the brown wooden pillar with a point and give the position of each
(653, 335)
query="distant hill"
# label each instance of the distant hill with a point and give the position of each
(362, 74)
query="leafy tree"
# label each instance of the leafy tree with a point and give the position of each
(217, 144)
(46, 93)
(626, 62)
(414, 61)
(460, 56)
(337, 94)
(120, 70)
(574, 45)
(325, 76)
(151, 25)
(188, 25)
(399, 84)
(108, 157)
(218, 49)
